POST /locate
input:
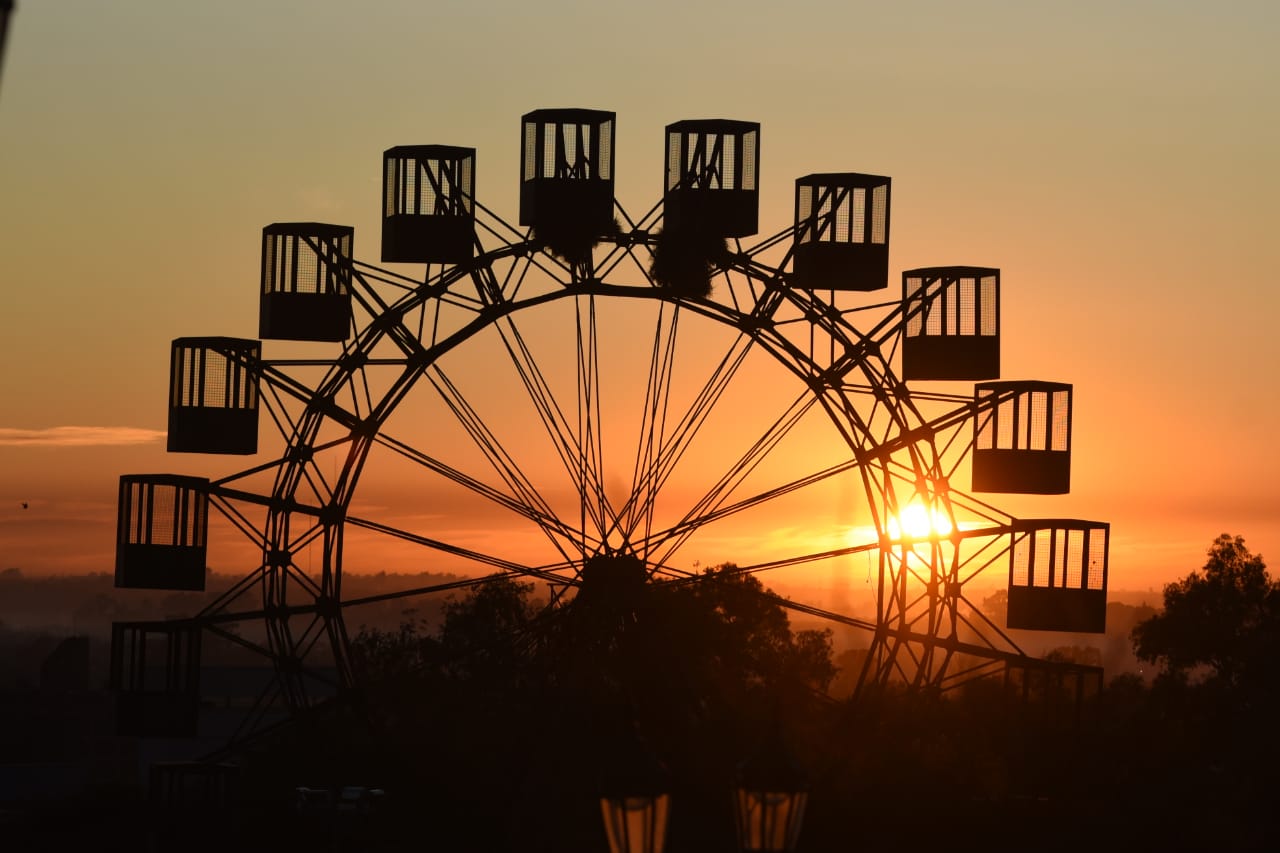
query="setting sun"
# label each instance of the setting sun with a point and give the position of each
(916, 521)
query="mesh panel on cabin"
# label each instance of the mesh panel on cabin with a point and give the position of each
(306, 282)
(213, 396)
(1060, 430)
(967, 319)
(160, 532)
(951, 323)
(530, 150)
(880, 214)
(1022, 437)
(1058, 575)
(1037, 405)
(550, 162)
(1095, 552)
(711, 177)
(1075, 559)
(674, 142)
(165, 526)
(989, 305)
(568, 145)
(428, 202)
(841, 237)
(163, 510)
(604, 162)
(567, 180)
(155, 671)
(857, 226)
(212, 373)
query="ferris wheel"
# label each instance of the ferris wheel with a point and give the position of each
(592, 389)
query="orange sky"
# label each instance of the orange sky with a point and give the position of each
(1115, 161)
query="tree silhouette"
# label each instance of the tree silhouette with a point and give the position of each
(515, 705)
(1219, 623)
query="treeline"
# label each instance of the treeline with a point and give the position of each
(492, 721)
(88, 604)
(518, 712)
(36, 613)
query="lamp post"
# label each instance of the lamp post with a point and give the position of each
(769, 800)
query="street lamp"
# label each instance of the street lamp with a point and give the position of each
(636, 823)
(634, 800)
(769, 801)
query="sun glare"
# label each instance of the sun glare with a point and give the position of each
(916, 521)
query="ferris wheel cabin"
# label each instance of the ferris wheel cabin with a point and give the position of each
(213, 396)
(428, 204)
(952, 323)
(161, 527)
(194, 800)
(155, 673)
(1022, 437)
(306, 282)
(713, 177)
(841, 232)
(567, 173)
(1058, 575)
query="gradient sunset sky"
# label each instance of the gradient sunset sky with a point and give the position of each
(1116, 160)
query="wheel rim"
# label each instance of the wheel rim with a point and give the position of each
(762, 317)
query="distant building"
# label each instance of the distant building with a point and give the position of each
(66, 668)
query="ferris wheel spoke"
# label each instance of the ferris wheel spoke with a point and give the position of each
(510, 234)
(502, 462)
(214, 610)
(253, 721)
(715, 497)
(979, 628)
(308, 584)
(589, 434)
(577, 448)
(467, 583)
(507, 286)
(278, 381)
(278, 412)
(948, 450)
(653, 418)
(675, 536)
(362, 272)
(238, 519)
(454, 550)
(556, 531)
(659, 465)
(893, 436)
(316, 629)
(366, 296)
(215, 627)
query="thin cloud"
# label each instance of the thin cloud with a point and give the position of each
(78, 436)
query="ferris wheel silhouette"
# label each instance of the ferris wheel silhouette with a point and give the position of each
(593, 388)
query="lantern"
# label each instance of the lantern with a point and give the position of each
(769, 801)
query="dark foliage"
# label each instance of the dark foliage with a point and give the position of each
(1221, 623)
(571, 240)
(495, 729)
(530, 700)
(684, 261)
